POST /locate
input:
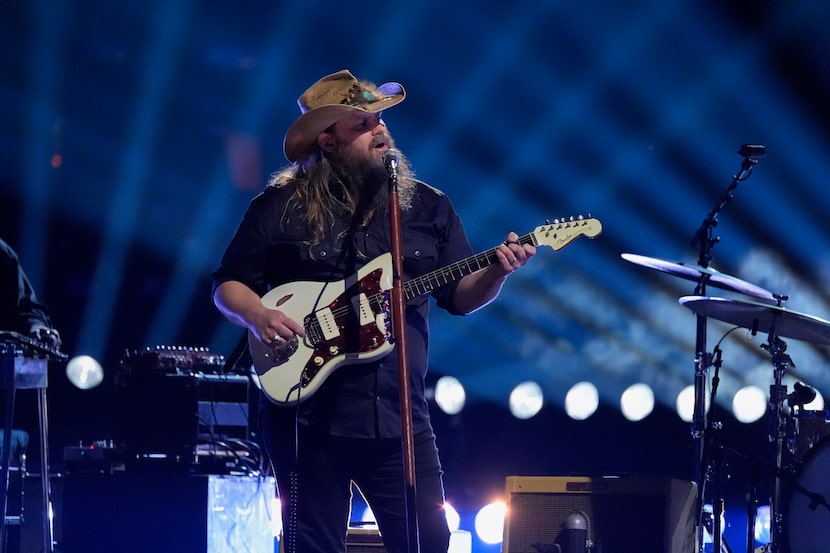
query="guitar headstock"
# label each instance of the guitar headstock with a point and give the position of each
(561, 232)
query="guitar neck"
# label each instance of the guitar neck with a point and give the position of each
(427, 283)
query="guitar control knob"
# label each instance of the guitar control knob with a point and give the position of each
(318, 360)
(334, 350)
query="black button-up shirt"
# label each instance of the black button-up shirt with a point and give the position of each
(271, 248)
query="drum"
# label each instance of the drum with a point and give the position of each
(807, 428)
(806, 503)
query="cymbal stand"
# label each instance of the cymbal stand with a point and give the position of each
(777, 426)
(704, 238)
(702, 363)
(754, 476)
(713, 461)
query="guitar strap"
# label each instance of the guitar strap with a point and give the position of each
(347, 256)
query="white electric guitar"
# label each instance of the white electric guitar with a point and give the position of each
(349, 321)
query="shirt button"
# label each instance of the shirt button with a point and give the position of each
(323, 253)
(417, 253)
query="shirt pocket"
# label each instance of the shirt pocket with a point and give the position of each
(420, 257)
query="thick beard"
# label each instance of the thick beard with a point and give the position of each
(365, 176)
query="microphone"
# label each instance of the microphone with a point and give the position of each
(391, 157)
(575, 530)
(801, 395)
(752, 151)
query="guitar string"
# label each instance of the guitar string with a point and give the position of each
(412, 287)
(431, 280)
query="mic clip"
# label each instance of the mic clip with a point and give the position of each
(752, 151)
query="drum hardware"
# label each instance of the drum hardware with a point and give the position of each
(705, 240)
(805, 509)
(801, 396)
(704, 276)
(707, 465)
(777, 424)
(796, 435)
(813, 504)
(806, 430)
(776, 321)
(713, 461)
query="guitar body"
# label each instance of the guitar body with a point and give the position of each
(349, 321)
(346, 322)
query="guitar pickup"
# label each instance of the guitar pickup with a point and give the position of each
(328, 323)
(363, 308)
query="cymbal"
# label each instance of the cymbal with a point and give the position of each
(761, 318)
(696, 274)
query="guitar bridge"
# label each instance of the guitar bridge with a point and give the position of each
(313, 332)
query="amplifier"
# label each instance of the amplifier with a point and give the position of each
(624, 514)
(172, 359)
(164, 418)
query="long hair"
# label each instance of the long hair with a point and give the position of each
(319, 193)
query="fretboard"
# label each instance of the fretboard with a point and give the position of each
(427, 283)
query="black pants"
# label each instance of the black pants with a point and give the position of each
(315, 489)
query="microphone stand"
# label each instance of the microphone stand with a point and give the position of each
(705, 239)
(399, 335)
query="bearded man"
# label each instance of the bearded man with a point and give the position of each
(323, 219)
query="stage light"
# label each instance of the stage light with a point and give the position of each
(637, 402)
(84, 372)
(685, 404)
(489, 522)
(453, 518)
(450, 395)
(368, 515)
(526, 400)
(582, 401)
(749, 404)
(276, 518)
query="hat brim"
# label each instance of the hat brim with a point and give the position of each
(303, 133)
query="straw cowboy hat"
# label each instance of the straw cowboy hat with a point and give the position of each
(330, 99)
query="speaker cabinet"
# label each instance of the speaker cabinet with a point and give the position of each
(174, 419)
(157, 417)
(624, 514)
